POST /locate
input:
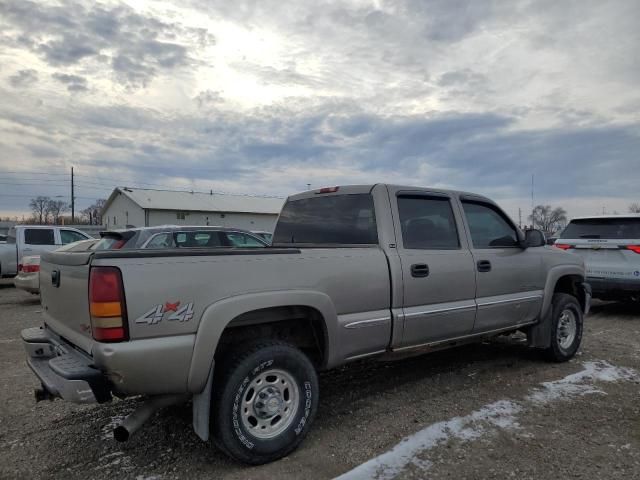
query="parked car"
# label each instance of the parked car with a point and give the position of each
(28, 240)
(266, 236)
(28, 277)
(610, 247)
(354, 272)
(3, 238)
(175, 236)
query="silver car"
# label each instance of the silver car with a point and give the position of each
(174, 236)
(610, 247)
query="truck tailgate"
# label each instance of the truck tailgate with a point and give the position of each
(64, 287)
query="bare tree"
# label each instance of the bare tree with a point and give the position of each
(634, 207)
(55, 208)
(93, 213)
(39, 206)
(548, 219)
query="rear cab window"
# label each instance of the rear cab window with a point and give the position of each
(328, 220)
(603, 228)
(39, 236)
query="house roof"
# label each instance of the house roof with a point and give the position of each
(198, 201)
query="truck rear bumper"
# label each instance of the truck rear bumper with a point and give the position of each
(30, 283)
(64, 371)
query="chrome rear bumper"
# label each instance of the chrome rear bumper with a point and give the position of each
(63, 371)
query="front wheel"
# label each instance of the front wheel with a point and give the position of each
(265, 400)
(566, 328)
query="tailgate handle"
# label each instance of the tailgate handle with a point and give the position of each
(55, 278)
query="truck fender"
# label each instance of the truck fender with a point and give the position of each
(215, 319)
(540, 334)
(218, 315)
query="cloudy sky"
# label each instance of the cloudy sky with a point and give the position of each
(266, 96)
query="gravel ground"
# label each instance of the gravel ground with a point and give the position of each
(365, 410)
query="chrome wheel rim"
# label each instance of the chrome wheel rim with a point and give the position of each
(270, 403)
(567, 328)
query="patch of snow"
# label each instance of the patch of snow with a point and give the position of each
(575, 385)
(498, 415)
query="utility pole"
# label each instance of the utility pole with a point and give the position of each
(519, 217)
(73, 201)
(532, 179)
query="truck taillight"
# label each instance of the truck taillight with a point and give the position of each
(30, 268)
(107, 306)
(634, 248)
(563, 246)
(328, 190)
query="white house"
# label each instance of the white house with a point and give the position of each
(140, 207)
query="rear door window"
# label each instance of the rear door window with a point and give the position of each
(427, 223)
(334, 219)
(606, 228)
(39, 236)
(239, 239)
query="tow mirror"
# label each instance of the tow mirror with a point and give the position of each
(534, 238)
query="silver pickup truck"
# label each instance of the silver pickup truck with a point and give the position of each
(354, 272)
(29, 240)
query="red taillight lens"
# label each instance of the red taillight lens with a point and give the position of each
(19, 267)
(563, 246)
(328, 190)
(30, 268)
(634, 248)
(106, 305)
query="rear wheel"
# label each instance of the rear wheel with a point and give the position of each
(566, 328)
(265, 400)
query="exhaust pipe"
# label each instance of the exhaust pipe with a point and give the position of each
(136, 419)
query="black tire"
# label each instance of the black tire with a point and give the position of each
(560, 304)
(236, 384)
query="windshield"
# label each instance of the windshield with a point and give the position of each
(607, 228)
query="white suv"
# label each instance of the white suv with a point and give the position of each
(610, 246)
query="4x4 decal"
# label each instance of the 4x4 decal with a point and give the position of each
(179, 313)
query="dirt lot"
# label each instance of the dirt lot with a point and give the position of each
(475, 412)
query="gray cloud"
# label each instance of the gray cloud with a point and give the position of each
(468, 95)
(23, 78)
(138, 47)
(74, 83)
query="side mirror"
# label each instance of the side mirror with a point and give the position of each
(534, 238)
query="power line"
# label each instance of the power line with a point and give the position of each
(25, 172)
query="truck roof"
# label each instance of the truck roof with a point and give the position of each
(44, 226)
(604, 217)
(367, 188)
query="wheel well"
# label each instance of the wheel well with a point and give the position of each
(298, 325)
(570, 284)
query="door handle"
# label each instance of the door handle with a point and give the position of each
(484, 265)
(419, 270)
